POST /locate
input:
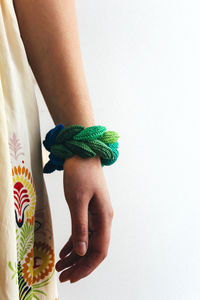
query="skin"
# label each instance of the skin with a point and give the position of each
(49, 32)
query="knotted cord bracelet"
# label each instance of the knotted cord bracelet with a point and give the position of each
(64, 142)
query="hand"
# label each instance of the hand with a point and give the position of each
(90, 208)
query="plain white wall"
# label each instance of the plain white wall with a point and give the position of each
(142, 63)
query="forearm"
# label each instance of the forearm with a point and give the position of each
(49, 31)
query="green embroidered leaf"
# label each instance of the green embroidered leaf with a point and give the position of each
(17, 252)
(34, 296)
(29, 296)
(90, 133)
(10, 265)
(39, 292)
(15, 271)
(68, 133)
(26, 239)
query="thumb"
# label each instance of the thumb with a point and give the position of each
(79, 216)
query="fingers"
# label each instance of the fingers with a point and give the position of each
(98, 248)
(79, 216)
(88, 263)
(99, 214)
(67, 248)
(68, 261)
(82, 268)
(65, 275)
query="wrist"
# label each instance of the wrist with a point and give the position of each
(79, 159)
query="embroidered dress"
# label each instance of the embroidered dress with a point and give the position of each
(27, 262)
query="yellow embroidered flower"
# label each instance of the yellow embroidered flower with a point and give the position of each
(44, 260)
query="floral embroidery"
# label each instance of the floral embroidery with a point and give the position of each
(24, 195)
(35, 257)
(38, 267)
(43, 261)
(15, 146)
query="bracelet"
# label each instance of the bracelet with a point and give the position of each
(64, 142)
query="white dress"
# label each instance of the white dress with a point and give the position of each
(27, 263)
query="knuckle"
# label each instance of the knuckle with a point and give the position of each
(78, 197)
(111, 213)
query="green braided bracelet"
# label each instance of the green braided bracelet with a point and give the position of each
(64, 142)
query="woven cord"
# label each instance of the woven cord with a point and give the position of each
(64, 142)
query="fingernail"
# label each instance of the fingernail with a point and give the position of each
(81, 248)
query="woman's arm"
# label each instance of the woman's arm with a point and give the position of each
(49, 31)
(50, 34)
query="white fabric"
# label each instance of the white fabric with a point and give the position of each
(24, 240)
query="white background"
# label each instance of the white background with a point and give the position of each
(142, 64)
